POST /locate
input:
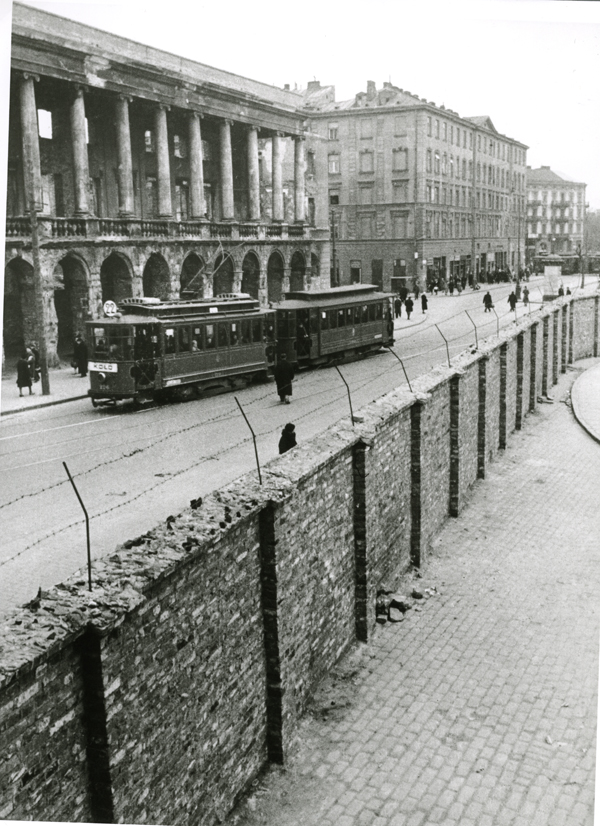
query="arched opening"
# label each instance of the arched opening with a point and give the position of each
(251, 275)
(315, 268)
(156, 279)
(192, 278)
(71, 302)
(297, 271)
(275, 277)
(115, 279)
(19, 307)
(223, 275)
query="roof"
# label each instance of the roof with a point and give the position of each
(545, 175)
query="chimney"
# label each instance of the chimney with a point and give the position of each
(286, 87)
(313, 86)
(371, 90)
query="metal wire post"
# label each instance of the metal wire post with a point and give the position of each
(253, 439)
(474, 325)
(403, 367)
(87, 527)
(497, 321)
(348, 389)
(446, 340)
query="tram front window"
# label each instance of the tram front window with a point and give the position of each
(112, 343)
(146, 342)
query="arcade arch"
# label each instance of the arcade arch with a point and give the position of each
(223, 275)
(156, 279)
(251, 275)
(275, 272)
(297, 271)
(192, 277)
(71, 302)
(115, 279)
(19, 303)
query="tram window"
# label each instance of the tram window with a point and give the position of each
(256, 331)
(100, 342)
(283, 324)
(145, 346)
(379, 311)
(211, 341)
(246, 332)
(170, 341)
(222, 335)
(372, 312)
(197, 342)
(364, 313)
(349, 316)
(341, 318)
(184, 339)
(357, 315)
(332, 319)
(233, 333)
(324, 321)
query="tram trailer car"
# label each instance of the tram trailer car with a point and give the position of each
(315, 328)
(153, 349)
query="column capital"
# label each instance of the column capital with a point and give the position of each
(193, 113)
(31, 76)
(163, 106)
(299, 137)
(127, 98)
(227, 121)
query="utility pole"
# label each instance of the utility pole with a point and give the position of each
(39, 300)
(333, 261)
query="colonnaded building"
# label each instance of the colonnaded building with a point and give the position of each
(149, 174)
(417, 192)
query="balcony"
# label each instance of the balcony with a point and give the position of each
(18, 229)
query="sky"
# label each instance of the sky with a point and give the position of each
(531, 65)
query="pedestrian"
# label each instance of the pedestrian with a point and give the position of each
(30, 362)
(561, 290)
(451, 286)
(24, 374)
(408, 306)
(36, 361)
(288, 438)
(512, 300)
(525, 295)
(284, 374)
(435, 288)
(568, 291)
(488, 302)
(80, 355)
(424, 303)
(518, 291)
(397, 307)
(416, 291)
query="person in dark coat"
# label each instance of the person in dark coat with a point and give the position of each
(512, 300)
(525, 295)
(561, 290)
(288, 438)
(284, 374)
(408, 305)
(397, 307)
(488, 302)
(24, 374)
(80, 355)
(424, 302)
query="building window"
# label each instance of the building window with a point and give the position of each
(44, 124)
(334, 198)
(429, 127)
(464, 169)
(310, 162)
(400, 160)
(437, 128)
(429, 161)
(179, 146)
(458, 136)
(436, 194)
(48, 195)
(366, 128)
(207, 154)
(445, 131)
(366, 226)
(436, 165)
(332, 131)
(334, 164)
(444, 164)
(149, 140)
(399, 126)
(400, 192)
(400, 224)
(151, 198)
(182, 200)
(365, 195)
(366, 161)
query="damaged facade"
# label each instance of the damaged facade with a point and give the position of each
(151, 175)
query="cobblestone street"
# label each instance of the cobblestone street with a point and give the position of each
(479, 709)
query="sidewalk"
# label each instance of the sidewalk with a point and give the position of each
(585, 397)
(479, 709)
(65, 385)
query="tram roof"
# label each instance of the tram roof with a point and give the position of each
(233, 302)
(336, 296)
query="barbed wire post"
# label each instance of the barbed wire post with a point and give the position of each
(349, 396)
(474, 325)
(403, 367)
(87, 527)
(446, 340)
(253, 439)
(497, 321)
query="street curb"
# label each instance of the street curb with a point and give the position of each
(580, 417)
(42, 404)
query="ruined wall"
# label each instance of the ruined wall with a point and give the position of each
(158, 697)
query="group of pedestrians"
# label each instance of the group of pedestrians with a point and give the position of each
(29, 369)
(409, 304)
(488, 301)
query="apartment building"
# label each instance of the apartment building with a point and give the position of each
(555, 213)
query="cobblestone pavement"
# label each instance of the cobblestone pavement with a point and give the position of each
(480, 708)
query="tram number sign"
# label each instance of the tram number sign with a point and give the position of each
(103, 367)
(110, 308)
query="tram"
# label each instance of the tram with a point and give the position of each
(149, 349)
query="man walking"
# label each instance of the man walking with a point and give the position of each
(488, 302)
(284, 374)
(408, 306)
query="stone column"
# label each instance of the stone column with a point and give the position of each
(226, 161)
(165, 203)
(125, 168)
(197, 207)
(237, 281)
(80, 154)
(277, 180)
(253, 175)
(299, 188)
(31, 146)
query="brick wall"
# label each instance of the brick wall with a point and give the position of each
(159, 696)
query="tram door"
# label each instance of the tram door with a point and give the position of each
(303, 334)
(286, 334)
